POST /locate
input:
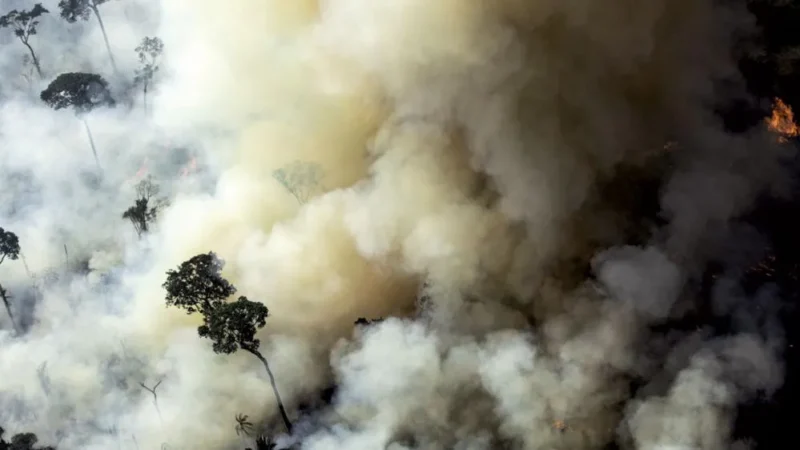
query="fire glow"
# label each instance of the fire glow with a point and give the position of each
(782, 121)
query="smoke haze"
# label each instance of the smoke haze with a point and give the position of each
(452, 162)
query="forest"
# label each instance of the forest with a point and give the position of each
(399, 224)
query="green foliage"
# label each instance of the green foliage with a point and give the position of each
(81, 91)
(197, 285)
(231, 326)
(146, 207)
(9, 245)
(74, 10)
(23, 22)
(300, 179)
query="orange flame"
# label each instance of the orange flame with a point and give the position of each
(782, 121)
(143, 169)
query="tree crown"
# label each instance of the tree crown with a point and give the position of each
(145, 208)
(234, 325)
(23, 22)
(148, 50)
(22, 441)
(9, 245)
(81, 91)
(74, 10)
(151, 47)
(197, 285)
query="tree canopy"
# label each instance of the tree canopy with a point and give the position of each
(234, 325)
(148, 51)
(81, 91)
(9, 245)
(74, 10)
(21, 441)
(23, 22)
(197, 285)
(146, 207)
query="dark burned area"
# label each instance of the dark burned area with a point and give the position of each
(767, 422)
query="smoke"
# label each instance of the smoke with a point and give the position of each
(443, 166)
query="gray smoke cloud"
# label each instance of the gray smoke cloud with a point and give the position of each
(453, 156)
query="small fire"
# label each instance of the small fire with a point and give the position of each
(190, 167)
(782, 121)
(143, 169)
(560, 426)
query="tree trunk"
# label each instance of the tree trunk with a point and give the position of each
(91, 142)
(145, 98)
(35, 60)
(105, 36)
(4, 296)
(274, 388)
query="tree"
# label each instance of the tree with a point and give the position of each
(24, 24)
(74, 10)
(198, 286)
(146, 207)
(155, 396)
(263, 443)
(300, 179)
(22, 441)
(149, 51)
(9, 248)
(83, 92)
(243, 425)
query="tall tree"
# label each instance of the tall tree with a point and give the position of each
(198, 286)
(83, 92)
(74, 10)
(146, 206)
(9, 248)
(149, 51)
(24, 24)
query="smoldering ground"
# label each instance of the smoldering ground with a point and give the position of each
(460, 160)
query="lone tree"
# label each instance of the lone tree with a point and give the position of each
(146, 207)
(83, 92)
(74, 10)
(149, 50)
(24, 24)
(198, 286)
(9, 248)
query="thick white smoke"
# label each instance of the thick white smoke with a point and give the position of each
(460, 148)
